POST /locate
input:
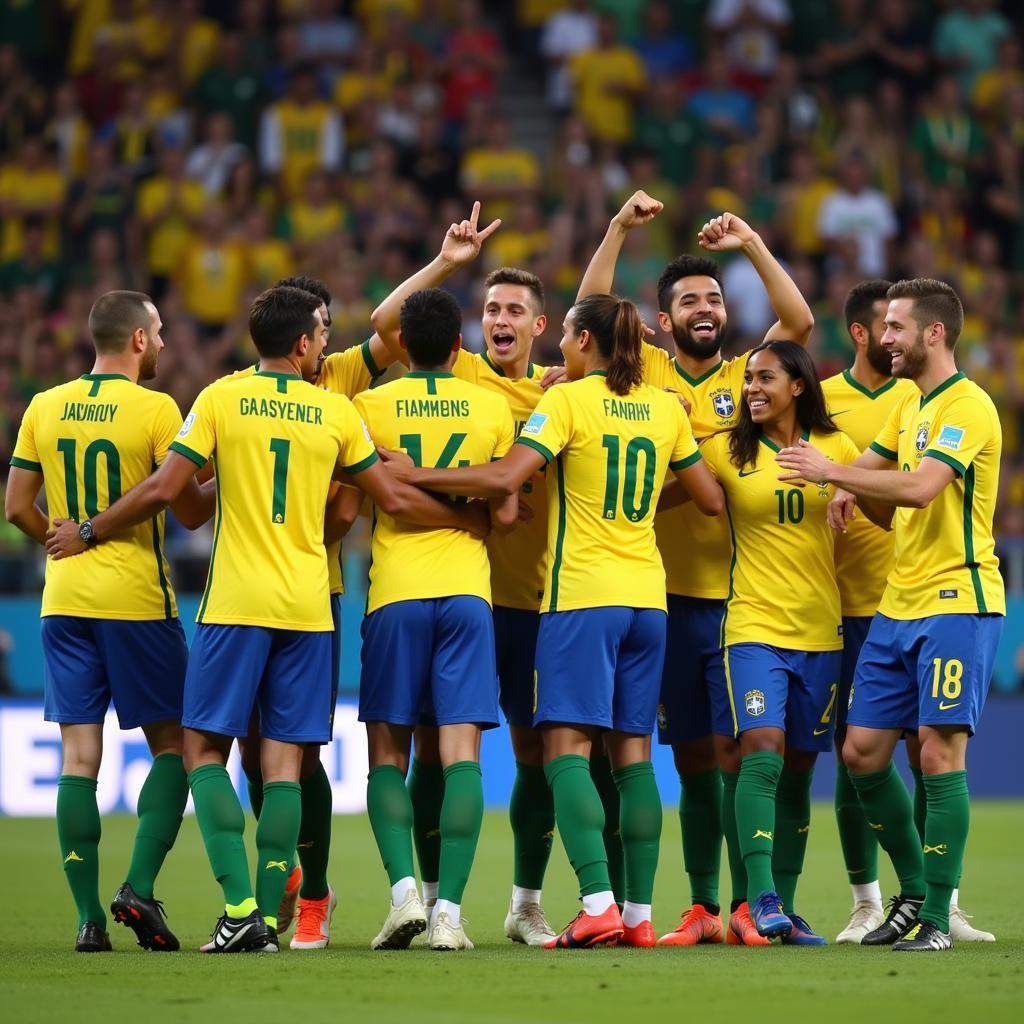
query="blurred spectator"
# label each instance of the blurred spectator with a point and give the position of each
(31, 186)
(497, 173)
(946, 140)
(670, 130)
(801, 198)
(664, 51)
(899, 37)
(845, 54)
(210, 162)
(472, 61)
(726, 112)
(432, 165)
(750, 30)
(326, 35)
(31, 268)
(211, 273)
(566, 33)
(232, 86)
(966, 39)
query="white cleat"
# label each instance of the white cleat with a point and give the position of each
(865, 917)
(528, 925)
(961, 931)
(445, 936)
(403, 923)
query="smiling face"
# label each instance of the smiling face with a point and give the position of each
(696, 316)
(510, 323)
(768, 389)
(904, 340)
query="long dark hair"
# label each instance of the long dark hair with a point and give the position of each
(618, 331)
(811, 412)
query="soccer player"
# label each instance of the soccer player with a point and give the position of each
(694, 712)
(428, 639)
(782, 629)
(109, 620)
(927, 661)
(264, 637)
(611, 440)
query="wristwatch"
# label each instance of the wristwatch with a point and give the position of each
(86, 532)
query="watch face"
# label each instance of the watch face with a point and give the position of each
(85, 531)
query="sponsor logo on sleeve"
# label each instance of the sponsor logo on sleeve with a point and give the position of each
(187, 425)
(535, 424)
(366, 430)
(951, 438)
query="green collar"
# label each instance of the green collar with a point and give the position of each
(428, 374)
(499, 371)
(857, 386)
(694, 381)
(278, 376)
(105, 376)
(805, 436)
(947, 383)
(596, 373)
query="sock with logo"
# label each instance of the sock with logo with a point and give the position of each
(640, 828)
(314, 846)
(856, 837)
(755, 819)
(426, 791)
(601, 772)
(945, 838)
(737, 869)
(254, 784)
(390, 811)
(222, 824)
(920, 801)
(580, 819)
(160, 807)
(78, 831)
(531, 811)
(700, 817)
(890, 815)
(462, 815)
(792, 825)
(276, 836)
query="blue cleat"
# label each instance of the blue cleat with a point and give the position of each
(769, 917)
(801, 935)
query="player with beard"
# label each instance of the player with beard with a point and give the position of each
(694, 715)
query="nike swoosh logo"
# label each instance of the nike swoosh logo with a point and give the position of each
(820, 732)
(840, 413)
(748, 472)
(903, 430)
(943, 706)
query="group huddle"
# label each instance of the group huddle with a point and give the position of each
(751, 563)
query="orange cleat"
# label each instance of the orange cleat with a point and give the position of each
(286, 908)
(742, 931)
(586, 930)
(640, 936)
(313, 930)
(696, 926)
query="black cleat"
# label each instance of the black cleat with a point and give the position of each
(924, 937)
(92, 939)
(242, 935)
(902, 916)
(145, 918)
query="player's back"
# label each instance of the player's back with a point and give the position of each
(442, 421)
(94, 439)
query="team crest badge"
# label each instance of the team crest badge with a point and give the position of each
(921, 441)
(753, 701)
(662, 717)
(724, 405)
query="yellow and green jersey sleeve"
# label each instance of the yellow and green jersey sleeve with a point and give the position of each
(440, 421)
(93, 439)
(945, 561)
(275, 441)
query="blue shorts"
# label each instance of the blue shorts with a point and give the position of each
(855, 632)
(694, 699)
(931, 671)
(515, 644)
(775, 688)
(89, 662)
(335, 652)
(285, 673)
(429, 660)
(602, 667)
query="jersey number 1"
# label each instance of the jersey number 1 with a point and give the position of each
(281, 449)
(68, 447)
(634, 510)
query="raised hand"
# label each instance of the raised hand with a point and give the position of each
(639, 208)
(463, 240)
(724, 232)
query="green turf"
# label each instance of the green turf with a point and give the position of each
(41, 979)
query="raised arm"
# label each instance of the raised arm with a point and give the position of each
(639, 208)
(20, 508)
(499, 479)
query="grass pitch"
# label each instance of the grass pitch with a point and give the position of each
(41, 979)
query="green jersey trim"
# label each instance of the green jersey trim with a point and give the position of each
(216, 539)
(375, 370)
(697, 381)
(857, 386)
(192, 456)
(958, 467)
(884, 452)
(969, 560)
(20, 463)
(556, 564)
(596, 373)
(161, 575)
(361, 465)
(536, 446)
(947, 383)
(683, 463)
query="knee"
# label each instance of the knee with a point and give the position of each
(800, 760)
(310, 761)
(694, 758)
(249, 751)
(83, 763)
(727, 754)
(763, 741)
(164, 738)
(528, 746)
(857, 759)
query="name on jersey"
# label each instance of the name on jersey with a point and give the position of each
(627, 410)
(417, 407)
(275, 409)
(89, 412)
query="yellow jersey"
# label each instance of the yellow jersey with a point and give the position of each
(864, 553)
(212, 279)
(599, 78)
(169, 235)
(517, 558)
(302, 132)
(93, 439)
(275, 441)
(945, 553)
(438, 420)
(610, 453)
(782, 577)
(694, 547)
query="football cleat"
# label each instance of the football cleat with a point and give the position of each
(92, 939)
(528, 925)
(741, 930)
(902, 916)
(447, 937)
(286, 908)
(586, 930)
(924, 937)
(961, 931)
(640, 936)
(145, 918)
(801, 934)
(865, 917)
(242, 935)
(697, 925)
(768, 916)
(402, 924)
(314, 928)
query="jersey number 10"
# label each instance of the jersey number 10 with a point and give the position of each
(68, 447)
(633, 510)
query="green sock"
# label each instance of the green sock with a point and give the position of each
(531, 811)
(462, 815)
(161, 805)
(856, 837)
(608, 792)
(755, 819)
(390, 812)
(700, 817)
(314, 845)
(640, 827)
(426, 791)
(276, 835)
(737, 869)
(945, 838)
(222, 824)
(78, 831)
(580, 819)
(920, 802)
(254, 783)
(792, 824)
(886, 804)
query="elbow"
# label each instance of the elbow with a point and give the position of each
(395, 504)
(376, 317)
(712, 506)
(921, 498)
(505, 485)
